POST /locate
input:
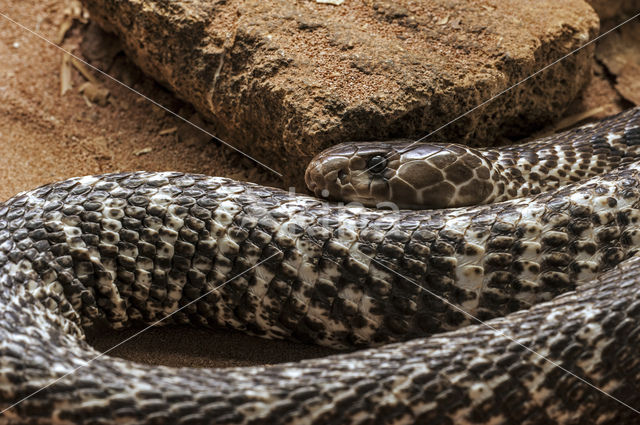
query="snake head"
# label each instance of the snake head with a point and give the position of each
(352, 172)
(402, 173)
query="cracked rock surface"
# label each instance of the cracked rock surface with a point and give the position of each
(282, 80)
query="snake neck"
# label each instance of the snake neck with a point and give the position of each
(576, 155)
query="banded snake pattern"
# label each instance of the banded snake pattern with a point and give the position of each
(553, 271)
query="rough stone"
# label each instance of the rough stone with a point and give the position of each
(283, 80)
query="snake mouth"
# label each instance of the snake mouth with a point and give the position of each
(327, 178)
(327, 174)
(314, 179)
(334, 180)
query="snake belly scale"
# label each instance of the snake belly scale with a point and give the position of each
(560, 268)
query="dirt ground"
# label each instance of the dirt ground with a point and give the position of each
(46, 136)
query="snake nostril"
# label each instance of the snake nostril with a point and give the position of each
(342, 176)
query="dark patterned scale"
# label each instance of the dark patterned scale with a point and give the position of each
(120, 248)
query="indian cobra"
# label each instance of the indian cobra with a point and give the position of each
(550, 271)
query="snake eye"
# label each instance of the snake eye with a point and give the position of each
(377, 164)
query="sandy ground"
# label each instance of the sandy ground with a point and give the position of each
(46, 136)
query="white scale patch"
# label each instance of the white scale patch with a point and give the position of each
(470, 271)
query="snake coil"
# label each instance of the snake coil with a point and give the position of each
(115, 249)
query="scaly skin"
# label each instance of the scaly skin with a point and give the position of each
(119, 248)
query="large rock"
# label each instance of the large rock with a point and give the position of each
(616, 10)
(283, 79)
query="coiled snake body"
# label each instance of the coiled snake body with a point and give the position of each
(120, 248)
